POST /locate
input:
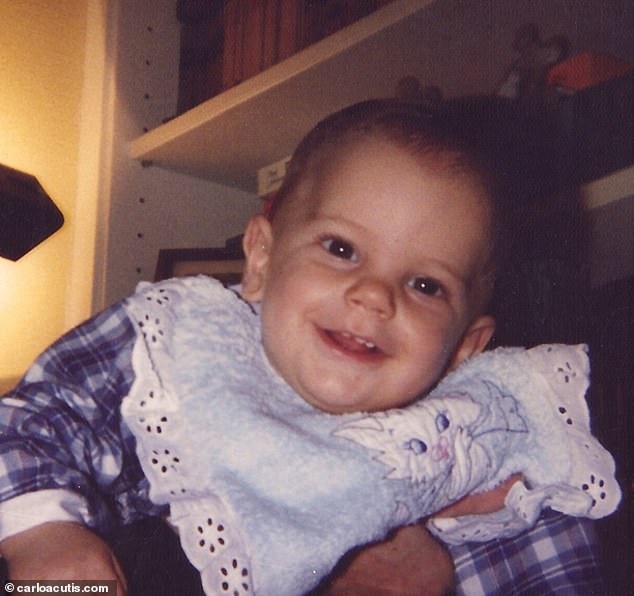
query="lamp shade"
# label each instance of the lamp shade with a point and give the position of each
(27, 214)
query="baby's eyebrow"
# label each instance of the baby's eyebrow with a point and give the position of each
(321, 218)
(435, 267)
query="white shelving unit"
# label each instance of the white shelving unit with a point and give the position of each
(462, 47)
(229, 137)
(200, 189)
(145, 209)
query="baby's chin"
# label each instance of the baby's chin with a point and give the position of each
(331, 407)
(330, 404)
(352, 405)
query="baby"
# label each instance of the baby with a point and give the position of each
(270, 421)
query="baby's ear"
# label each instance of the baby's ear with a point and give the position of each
(257, 244)
(475, 339)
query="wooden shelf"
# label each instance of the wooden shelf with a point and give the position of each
(229, 137)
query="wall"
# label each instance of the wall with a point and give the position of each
(80, 78)
(41, 71)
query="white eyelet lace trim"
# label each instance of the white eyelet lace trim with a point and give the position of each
(206, 526)
(567, 369)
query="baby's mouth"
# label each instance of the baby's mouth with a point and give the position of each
(352, 343)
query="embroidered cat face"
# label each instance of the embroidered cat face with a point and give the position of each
(445, 440)
(421, 443)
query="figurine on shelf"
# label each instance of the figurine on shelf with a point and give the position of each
(526, 79)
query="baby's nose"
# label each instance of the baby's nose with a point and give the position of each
(374, 295)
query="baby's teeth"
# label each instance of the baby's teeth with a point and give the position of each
(363, 342)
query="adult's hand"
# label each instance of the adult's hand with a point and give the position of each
(487, 502)
(410, 563)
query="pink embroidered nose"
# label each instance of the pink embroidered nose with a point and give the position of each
(440, 451)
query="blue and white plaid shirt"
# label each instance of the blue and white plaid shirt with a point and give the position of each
(60, 428)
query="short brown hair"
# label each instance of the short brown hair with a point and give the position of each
(409, 125)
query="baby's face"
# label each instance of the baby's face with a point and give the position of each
(369, 294)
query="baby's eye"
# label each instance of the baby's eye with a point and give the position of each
(340, 248)
(426, 286)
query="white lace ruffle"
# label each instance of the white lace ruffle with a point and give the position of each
(205, 525)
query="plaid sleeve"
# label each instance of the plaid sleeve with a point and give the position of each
(558, 556)
(61, 427)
